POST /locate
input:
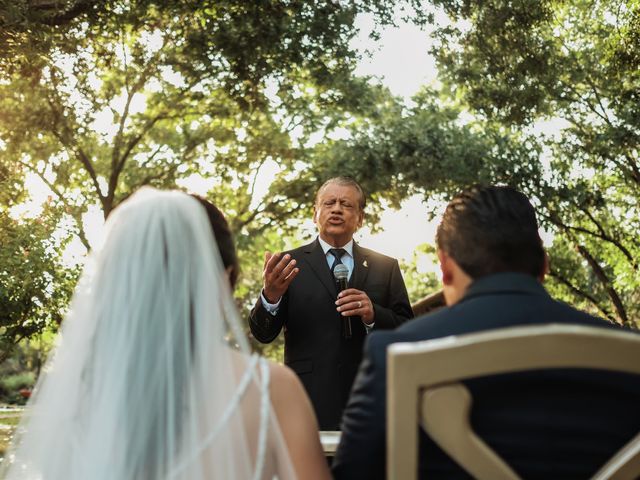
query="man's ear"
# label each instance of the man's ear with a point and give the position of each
(315, 214)
(361, 219)
(455, 280)
(446, 267)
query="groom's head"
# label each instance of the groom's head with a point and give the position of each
(487, 230)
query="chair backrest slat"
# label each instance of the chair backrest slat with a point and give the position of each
(418, 367)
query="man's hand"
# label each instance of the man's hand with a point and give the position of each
(355, 303)
(279, 271)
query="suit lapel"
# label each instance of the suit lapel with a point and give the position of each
(317, 260)
(360, 267)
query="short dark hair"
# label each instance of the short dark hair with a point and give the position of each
(224, 238)
(346, 182)
(492, 229)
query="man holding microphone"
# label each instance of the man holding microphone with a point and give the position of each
(325, 324)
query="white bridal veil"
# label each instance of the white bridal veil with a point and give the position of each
(143, 383)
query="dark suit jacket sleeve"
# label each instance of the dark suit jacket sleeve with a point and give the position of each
(398, 309)
(361, 453)
(264, 326)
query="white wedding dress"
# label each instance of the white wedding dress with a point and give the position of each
(151, 377)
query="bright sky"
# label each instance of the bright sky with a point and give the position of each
(400, 61)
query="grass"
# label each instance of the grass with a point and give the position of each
(8, 422)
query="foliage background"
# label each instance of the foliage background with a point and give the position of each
(98, 98)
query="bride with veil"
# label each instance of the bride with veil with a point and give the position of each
(152, 377)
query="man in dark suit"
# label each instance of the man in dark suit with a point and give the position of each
(546, 424)
(300, 295)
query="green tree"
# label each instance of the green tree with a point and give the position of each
(35, 286)
(100, 98)
(508, 69)
(420, 283)
(574, 63)
(147, 95)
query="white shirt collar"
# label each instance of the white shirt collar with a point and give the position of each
(348, 247)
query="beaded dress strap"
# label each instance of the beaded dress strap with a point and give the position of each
(264, 419)
(247, 376)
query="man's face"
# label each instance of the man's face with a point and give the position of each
(337, 213)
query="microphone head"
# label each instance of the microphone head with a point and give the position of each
(340, 272)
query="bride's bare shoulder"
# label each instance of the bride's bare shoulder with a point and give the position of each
(297, 423)
(284, 382)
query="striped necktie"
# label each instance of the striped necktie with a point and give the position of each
(337, 255)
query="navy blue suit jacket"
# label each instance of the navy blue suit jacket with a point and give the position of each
(546, 424)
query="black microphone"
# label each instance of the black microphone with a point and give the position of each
(341, 274)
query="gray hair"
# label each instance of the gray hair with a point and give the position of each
(345, 182)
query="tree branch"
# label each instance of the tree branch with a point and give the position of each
(599, 100)
(66, 138)
(79, 8)
(602, 276)
(585, 102)
(633, 166)
(116, 169)
(51, 186)
(601, 234)
(581, 293)
(151, 157)
(607, 238)
(629, 167)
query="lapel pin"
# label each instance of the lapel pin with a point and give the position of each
(365, 264)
